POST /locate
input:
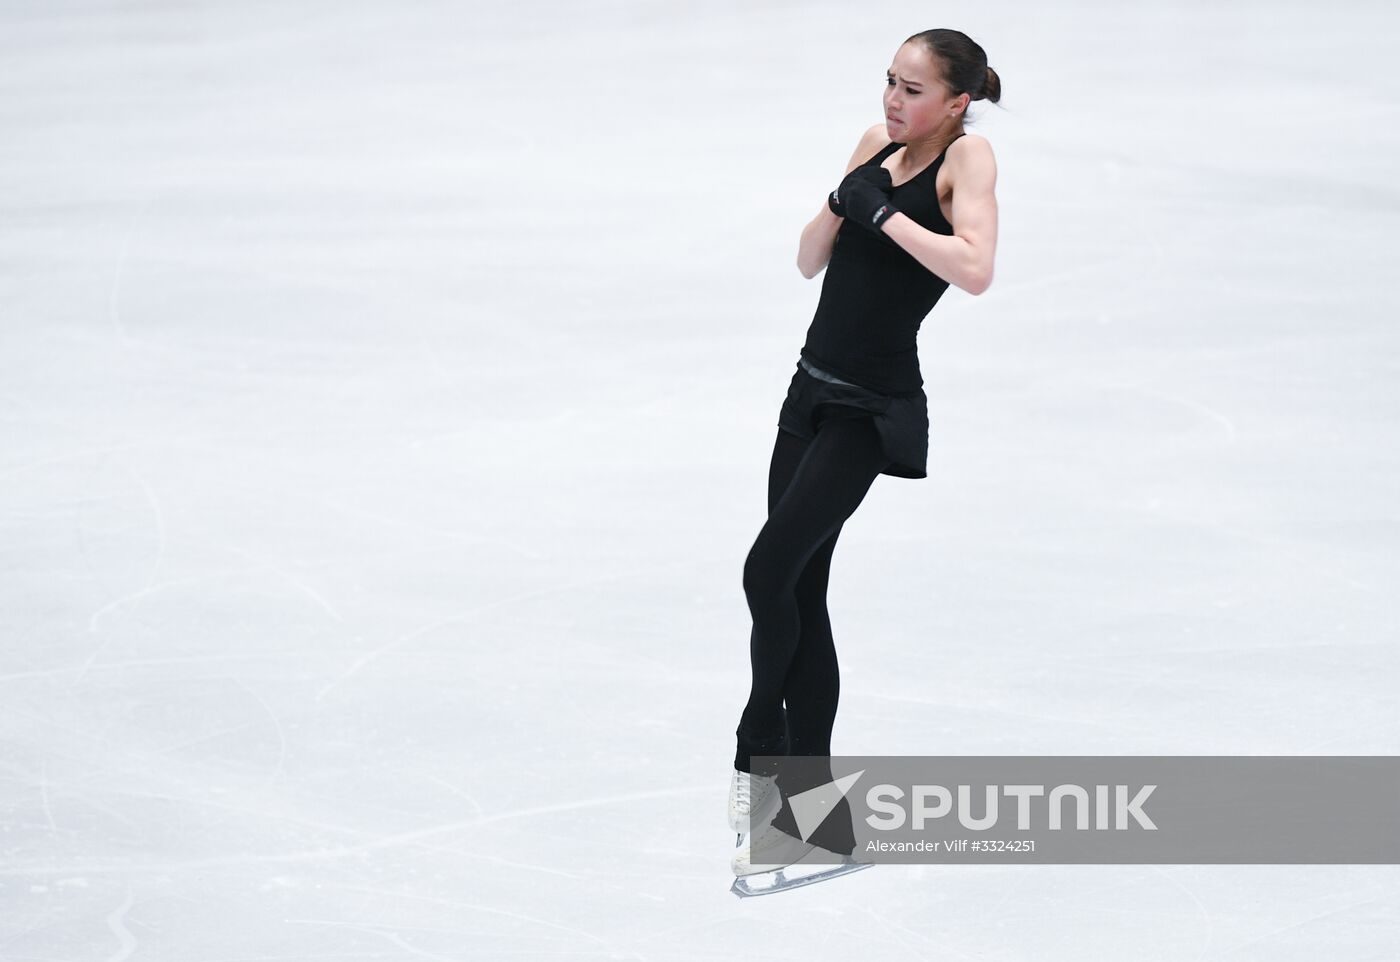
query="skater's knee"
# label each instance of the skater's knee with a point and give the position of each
(755, 580)
(764, 577)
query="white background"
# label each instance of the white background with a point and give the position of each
(386, 397)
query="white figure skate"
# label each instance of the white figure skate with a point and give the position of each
(753, 801)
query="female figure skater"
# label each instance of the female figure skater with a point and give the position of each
(915, 212)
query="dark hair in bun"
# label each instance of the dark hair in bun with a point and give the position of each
(965, 69)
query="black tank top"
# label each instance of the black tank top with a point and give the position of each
(875, 295)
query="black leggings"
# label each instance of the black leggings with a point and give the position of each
(813, 487)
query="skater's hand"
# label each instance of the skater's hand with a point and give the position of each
(867, 202)
(873, 173)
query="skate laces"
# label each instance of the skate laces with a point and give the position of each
(744, 793)
(749, 788)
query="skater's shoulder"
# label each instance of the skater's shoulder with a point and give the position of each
(871, 143)
(969, 145)
(877, 136)
(875, 139)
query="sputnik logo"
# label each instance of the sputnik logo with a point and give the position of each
(810, 808)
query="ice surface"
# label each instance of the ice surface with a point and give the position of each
(386, 395)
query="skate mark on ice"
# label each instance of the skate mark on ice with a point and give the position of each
(1234, 949)
(262, 564)
(150, 579)
(390, 934)
(151, 663)
(259, 566)
(280, 769)
(923, 941)
(1162, 872)
(116, 921)
(1191, 404)
(462, 616)
(477, 907)
(460, 793)
(592, 803)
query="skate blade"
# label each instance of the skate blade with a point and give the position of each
(791, 877)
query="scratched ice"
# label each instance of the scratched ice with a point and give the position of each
(386, 395)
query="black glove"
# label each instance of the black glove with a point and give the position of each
(867, 203)
(873, 173)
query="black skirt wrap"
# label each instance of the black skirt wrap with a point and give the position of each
(815, 396)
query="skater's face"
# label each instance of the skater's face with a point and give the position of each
(917, 102)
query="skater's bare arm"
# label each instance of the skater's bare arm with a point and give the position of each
(967, 258)
(814, 250)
